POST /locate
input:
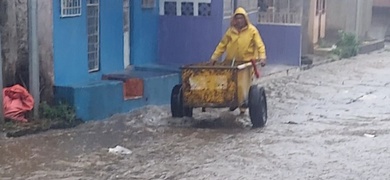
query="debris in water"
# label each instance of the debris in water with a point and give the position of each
(369, 135)
(291, 122)
(120, 150)
(323, 116)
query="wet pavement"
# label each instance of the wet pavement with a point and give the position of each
(321, 126)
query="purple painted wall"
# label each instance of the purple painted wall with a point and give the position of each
(282, 42)
(189, 39)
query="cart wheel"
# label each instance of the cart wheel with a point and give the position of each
(188, 112)
(177, 108)
(257, 106)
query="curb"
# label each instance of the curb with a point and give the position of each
(295, 70)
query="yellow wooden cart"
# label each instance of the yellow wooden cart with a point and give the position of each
(220, 85)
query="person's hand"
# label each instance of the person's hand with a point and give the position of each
(213, 61)
(262, 62)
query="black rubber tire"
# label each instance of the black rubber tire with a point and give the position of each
(257, 103)
(188, 112)
(175, 102)
(177, 107)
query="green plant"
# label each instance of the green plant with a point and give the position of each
(60, 112)
(347, 46)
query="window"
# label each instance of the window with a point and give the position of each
(170, 8)
(185, 7)
(148, 3)
(204, 9)
(282, 12)
(70, 8)
(93, 19)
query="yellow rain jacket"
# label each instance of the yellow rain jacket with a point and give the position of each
(244, 45)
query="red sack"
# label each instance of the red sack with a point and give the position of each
(17, 101)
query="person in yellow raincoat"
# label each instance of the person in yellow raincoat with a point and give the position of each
(241, 42)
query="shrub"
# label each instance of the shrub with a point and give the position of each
(60, 112)
(347, 46)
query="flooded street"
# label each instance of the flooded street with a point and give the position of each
(321, 125)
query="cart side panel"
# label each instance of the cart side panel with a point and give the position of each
(211, 87)
(244, 82)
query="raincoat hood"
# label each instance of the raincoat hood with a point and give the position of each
(242, 11)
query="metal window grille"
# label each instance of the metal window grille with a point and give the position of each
(93, 35)
(204, 9)
(185, 7)
(282, 12)
(148, 3)
(70, 8)
(170, 8)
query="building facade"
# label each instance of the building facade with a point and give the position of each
(112, 56)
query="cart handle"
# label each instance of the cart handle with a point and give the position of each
(252, 63)
(245, 65)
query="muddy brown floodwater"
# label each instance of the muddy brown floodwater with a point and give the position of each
(316, 130)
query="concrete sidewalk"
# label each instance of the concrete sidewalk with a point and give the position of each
(275, 71)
